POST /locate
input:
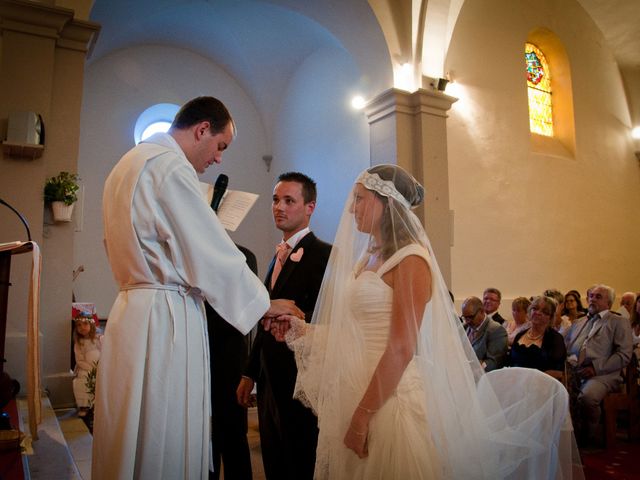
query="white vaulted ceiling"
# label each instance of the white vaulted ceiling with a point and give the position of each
(619, 21)
(259, 43)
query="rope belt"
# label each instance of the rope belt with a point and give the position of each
(159, 286)
(181, 289)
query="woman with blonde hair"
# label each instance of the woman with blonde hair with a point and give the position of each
(520, 321)
(539, 346)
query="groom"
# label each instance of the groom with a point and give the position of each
(288, 430)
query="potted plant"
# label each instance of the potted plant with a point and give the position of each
(61, 192)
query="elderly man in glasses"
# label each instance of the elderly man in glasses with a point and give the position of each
(488, 338)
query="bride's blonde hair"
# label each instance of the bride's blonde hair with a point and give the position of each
(396, 225)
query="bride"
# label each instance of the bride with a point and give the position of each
(388, 369)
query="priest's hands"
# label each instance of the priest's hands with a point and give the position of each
(280, 306)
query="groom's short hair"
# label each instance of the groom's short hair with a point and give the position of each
(309, 192)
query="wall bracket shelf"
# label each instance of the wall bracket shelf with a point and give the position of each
(22, 150)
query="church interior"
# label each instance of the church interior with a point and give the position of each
(443, 91)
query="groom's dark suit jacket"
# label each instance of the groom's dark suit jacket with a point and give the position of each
(288, 430)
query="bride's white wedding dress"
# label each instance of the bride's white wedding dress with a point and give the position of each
(398, 446)
(401, 438)
(446, 418)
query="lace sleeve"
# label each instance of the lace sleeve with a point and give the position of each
(297, 330)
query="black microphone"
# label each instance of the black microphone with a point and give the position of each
(219, 190)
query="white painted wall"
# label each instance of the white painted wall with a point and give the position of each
(321, 135)
(525, 221)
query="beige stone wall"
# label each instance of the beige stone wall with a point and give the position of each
(526, 221)
(43, 54)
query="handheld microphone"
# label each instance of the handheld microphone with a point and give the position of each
(219, 190)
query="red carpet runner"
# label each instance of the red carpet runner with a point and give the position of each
(11, 460)
(619, 462)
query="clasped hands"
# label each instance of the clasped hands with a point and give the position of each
(276, 321)
(278, 318)
(586, 372)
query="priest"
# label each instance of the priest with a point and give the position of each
(168, 253)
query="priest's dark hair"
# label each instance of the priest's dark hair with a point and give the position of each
(202, 109)
(309, 192)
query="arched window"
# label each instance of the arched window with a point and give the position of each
(156, 118)
(539, 90)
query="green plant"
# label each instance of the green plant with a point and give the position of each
(90, 384)
(62, 188)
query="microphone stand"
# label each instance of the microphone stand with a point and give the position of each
(22, 219)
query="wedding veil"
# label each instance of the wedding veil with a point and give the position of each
(510, 423)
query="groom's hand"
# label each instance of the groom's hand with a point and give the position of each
(243, 392)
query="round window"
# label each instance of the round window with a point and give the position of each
(154, 119)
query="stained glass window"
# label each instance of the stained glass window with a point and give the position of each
(539, 89)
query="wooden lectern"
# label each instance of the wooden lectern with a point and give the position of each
(7, 250)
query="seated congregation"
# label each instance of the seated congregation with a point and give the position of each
(590, 350)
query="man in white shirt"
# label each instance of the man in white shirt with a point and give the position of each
(288, 430)
(491, 299)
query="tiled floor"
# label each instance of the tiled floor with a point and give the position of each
(47, 463)
(79, 441)
(49, 458)
(254, 445)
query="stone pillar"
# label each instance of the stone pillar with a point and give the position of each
(409, 130)
(42, 55)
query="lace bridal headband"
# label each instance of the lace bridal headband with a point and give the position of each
(386, 188)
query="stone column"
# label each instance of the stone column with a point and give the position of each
(409, 130)
(42, 55)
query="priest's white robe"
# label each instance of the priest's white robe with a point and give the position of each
(167, 251)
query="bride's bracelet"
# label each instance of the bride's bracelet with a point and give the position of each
(368, 410)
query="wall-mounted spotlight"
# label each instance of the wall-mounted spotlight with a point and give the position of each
(441, 84)
(635, 134)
